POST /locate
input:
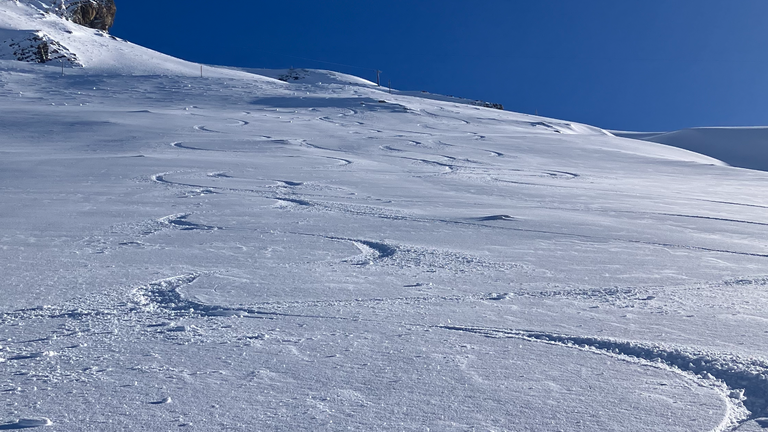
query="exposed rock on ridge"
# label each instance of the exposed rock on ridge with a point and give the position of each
(494, 105)
(97, 14)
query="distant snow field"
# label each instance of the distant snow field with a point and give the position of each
(252, 251)
(743, 147)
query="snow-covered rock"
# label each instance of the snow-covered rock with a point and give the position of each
(35, 47)
(35, 31)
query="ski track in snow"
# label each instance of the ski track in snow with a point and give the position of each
(743, 382)
(205, 129)
(382, 213)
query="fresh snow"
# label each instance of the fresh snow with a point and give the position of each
(236, 252)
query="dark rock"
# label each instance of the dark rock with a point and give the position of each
(38, 47)
(293, 75)
(485, 104)
(97, 14)
(43, 52)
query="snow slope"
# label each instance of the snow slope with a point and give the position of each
(310, 76)
(743, 147)
(98, 51)
(235, 252)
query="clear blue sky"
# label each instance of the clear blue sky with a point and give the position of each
(620, 64)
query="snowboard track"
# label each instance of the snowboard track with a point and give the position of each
(369, 211)
(746, 379)
(742, 381)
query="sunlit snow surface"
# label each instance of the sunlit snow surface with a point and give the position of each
(236, 253)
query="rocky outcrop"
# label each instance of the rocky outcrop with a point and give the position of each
(485, 104)
(97, 14)
(479, 103)
(38, 47)
(293, 75)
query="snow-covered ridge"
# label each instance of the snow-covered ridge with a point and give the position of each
(743, 147)
(37, 31)
(310, 76)
(30, 29)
